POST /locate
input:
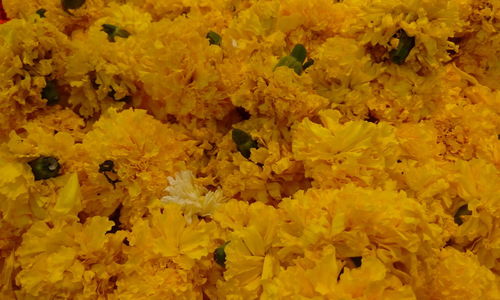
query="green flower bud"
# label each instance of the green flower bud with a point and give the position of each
(291, 62)
(240, 137)
(220, 254)
(50, 92)
(244, 142)
(45, 167)
(114, 31)
(214, 38)
(71, 4)
(296, 60)
(462, 211)
(107, 167)
(308, 63)
(115, 217)
(41, 12)
(406, 43)
(299, 52)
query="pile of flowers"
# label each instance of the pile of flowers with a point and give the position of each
(245, 149)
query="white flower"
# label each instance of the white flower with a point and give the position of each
(194, 199)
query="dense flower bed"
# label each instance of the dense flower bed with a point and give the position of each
(230, 149)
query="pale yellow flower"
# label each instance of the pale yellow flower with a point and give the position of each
(194, 199)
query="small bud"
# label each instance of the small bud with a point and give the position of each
(220, 254)
(115, 217)
(50, 93)
(41, 12)
(462, 211)
(240, 137)
(299, 52)
(214, 38)
(45, 167)
(296, 60)
(406, 43)
(114, 31)
(71, 4)
(244, 142)
(308, 63)
(108, 166)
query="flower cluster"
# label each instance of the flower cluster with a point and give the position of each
(255, 149)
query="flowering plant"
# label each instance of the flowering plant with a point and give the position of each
(255, 149)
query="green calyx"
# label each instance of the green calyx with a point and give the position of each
(296, 60)
(462, 211)
(244, 142)
(107, 168)
(406, 43)
(214, 38)
(114, 31)
(299, 52)
(41, 12)
(50, 93)
(71, 4)
(220, 255)
(45, 167)
(308, 63)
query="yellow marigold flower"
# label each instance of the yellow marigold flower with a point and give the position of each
(476, 53)
(334, 153)
(136, 144)
(313, 22)
(15, 188)
(77, 256)
(16, 205)
(177, 55)
(65, 21)
(251, 258)
(269, 174)
(281, 95)
(466, 135)
(30, 54)
(36, 139)
(319, 279)
(35, 198)
(169, 235)
(475, 184)
(173, 9)
(254, 19)
(451, 278)
(373, 281)
(345, 60)
(419, 141)
(358, 141)
(168, 256)
(427, 180)
(353, 218)
(102, 73)
(60, 120)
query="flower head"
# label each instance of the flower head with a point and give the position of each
(194, 199)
